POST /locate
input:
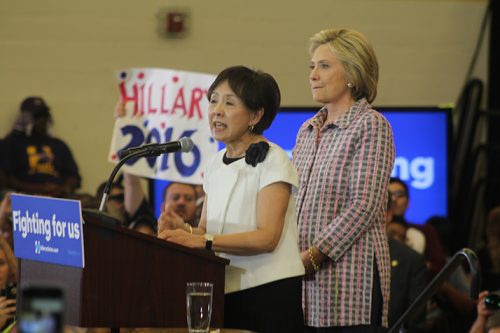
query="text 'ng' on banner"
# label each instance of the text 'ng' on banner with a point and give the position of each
(163, 105)
(48, 229)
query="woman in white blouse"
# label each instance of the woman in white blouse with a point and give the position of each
(249, 212)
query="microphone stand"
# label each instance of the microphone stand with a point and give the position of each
(140, 153)
(150, 151)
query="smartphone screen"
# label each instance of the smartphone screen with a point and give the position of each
(41, 310)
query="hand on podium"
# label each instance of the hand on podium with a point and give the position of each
(183, 237)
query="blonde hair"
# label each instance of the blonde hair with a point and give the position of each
(11, 260)
(356, 55)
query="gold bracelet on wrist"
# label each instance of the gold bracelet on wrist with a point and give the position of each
(188, 227)
(311, 258)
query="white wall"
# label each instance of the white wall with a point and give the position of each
(68, 52)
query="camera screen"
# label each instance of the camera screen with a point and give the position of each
(492, 301)
(41, 310)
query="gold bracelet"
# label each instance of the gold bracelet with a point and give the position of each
(311, 258)
(188, 227)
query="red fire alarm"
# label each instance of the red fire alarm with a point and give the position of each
(175, 22)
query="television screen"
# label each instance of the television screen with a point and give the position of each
(421, 136)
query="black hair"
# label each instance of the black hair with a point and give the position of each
(165, 190)
(257, 90)
(399, 181)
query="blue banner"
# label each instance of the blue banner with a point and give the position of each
(48, 229)
(421, 139)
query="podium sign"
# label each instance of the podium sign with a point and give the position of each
(48, 229)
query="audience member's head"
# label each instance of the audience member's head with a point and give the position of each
(399, 196)
(395, 225)
(34, 116)
(115, 204)
(182, 198)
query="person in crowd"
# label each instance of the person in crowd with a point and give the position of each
(451, 310)
(409, 277)
(344, 156)
(37, 162)
(487, 320)
(6, 231)
(489, 255)
(433, 251)
(115, 202)
(8, 278)
(179, 201)
(399, 192)
(248, 213)
(142, 219)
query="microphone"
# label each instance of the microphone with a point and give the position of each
(184, 144)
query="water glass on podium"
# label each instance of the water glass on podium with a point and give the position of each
(199, 306)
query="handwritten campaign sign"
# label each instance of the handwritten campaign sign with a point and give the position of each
(47, 229)
(164, 105)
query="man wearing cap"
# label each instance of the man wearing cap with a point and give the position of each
(37, 162)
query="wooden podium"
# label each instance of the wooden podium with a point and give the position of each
(129, 279)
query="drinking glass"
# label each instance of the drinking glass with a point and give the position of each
(199, 306)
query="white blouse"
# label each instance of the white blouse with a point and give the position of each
(232, 207)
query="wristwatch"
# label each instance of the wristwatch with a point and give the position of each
(209, 240)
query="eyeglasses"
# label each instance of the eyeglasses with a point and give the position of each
(398, 194)
(117, 197)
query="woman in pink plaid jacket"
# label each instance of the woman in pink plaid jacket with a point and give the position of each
(344, 156)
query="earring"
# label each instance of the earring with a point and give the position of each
(350, 85)
(250, 128)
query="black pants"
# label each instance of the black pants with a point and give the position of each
(376, 314)
(270, 308)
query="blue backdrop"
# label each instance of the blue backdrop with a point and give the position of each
(421, 137)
